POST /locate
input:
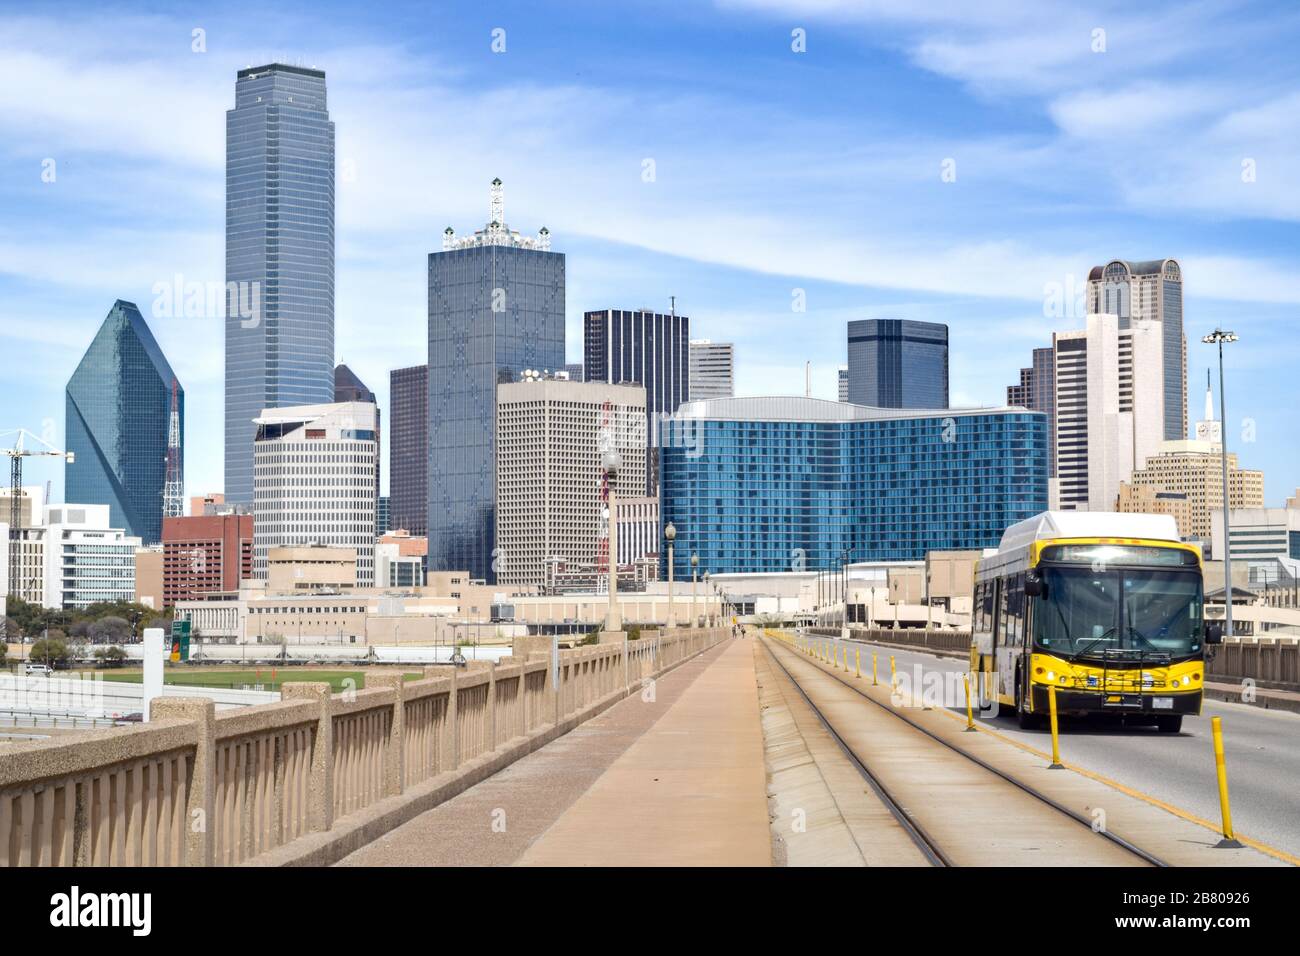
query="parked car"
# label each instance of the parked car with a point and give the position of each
(35, 670)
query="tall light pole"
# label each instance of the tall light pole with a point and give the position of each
(695, 564)
(611, 461)
(1218, 337)
(707, 613)
(670, 535)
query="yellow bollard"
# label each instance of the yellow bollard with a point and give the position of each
(874, 682)
(1228, 841)
(970, 715)
(857, 663)
(1056, 742)
(892, 674)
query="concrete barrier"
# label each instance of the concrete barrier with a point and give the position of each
(948, 642)
(312, 777)
(1271, 662)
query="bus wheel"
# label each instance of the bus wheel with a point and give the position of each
(1170, 724)
(1024, 718)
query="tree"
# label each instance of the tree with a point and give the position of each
(109, 630)
(49, 650)
(110, 656)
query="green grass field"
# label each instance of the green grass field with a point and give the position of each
(250, 678)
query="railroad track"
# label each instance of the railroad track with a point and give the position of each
(999, 819)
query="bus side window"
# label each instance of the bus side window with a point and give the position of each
(1016, 610)
(977, 607)
(1003, 635)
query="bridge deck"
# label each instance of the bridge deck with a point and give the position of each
(677, 780)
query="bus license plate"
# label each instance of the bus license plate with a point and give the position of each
(1162, 703)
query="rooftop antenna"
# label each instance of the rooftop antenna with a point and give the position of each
(497, 213)
(807, 379)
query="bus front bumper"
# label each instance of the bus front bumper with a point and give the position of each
(1079, 702)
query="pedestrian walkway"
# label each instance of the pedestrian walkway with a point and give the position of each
(699, 730)
(690, 792)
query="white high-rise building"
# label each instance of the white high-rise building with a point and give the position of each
(86, 561)
(1109, 409)
(713, 370)
(550, 435)
(314, 482)
(1150, 291)
(843, 382)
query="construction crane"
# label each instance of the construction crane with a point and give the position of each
(16, 454)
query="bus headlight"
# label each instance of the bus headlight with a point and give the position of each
(1051, 676)
(1186, 680)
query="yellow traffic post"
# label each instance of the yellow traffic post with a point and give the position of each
(874, 682)
(892, 674)
(1228, 841)
(1056, 741)
(857, 663)
(970, 715)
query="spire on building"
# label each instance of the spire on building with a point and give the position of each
(496, 232)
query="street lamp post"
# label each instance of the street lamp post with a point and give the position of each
(1218, 337)
(708, 616)
(670, 535)
(611, 461)
(695, 564)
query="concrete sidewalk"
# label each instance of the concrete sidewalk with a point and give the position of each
(691, 791)
(496, 821)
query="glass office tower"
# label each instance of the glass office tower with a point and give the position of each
(496, 307)
(279, 255)
(408, 448)
(118, 405)
(898, 363)
(784, 484)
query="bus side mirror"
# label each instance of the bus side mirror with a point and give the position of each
(1213, 632)
(1033, 585)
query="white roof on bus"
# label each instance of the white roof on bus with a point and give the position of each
(1088, 524)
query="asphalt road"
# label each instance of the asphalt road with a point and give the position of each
(1262, 752)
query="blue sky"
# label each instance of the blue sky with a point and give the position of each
(774, 171)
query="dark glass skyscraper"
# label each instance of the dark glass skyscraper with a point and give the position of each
(118, 410)
(279, 255)
(898, 363)
(648, 348)
(496, 307)
(408, 448)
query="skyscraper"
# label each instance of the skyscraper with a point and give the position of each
(898, 363)
(646, 348)
(408, 449)
(1108, 409)
(1037, 391)
(279, 255)
(118, 405)
(842, 382)
(496, 307)
(1153, 291)
(713, 370)
(315, 482)
(549, 471)
(349, 388)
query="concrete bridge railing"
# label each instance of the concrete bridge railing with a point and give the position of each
(313, 776)
(954, 641)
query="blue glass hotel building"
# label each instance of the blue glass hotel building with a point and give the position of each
(118, 406)
(766, 485)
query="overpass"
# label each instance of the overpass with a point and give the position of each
(782, 748)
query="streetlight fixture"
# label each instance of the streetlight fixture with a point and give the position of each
(707, 613)
(1218, 337)
(612, 461)
(695, 564)
(670, 535)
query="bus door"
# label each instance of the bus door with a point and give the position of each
(988, 677)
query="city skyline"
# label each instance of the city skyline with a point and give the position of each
(1230, 235)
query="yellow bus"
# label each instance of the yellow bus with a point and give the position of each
(1105, 607)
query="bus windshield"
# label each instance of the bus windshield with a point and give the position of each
(1086, 613)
